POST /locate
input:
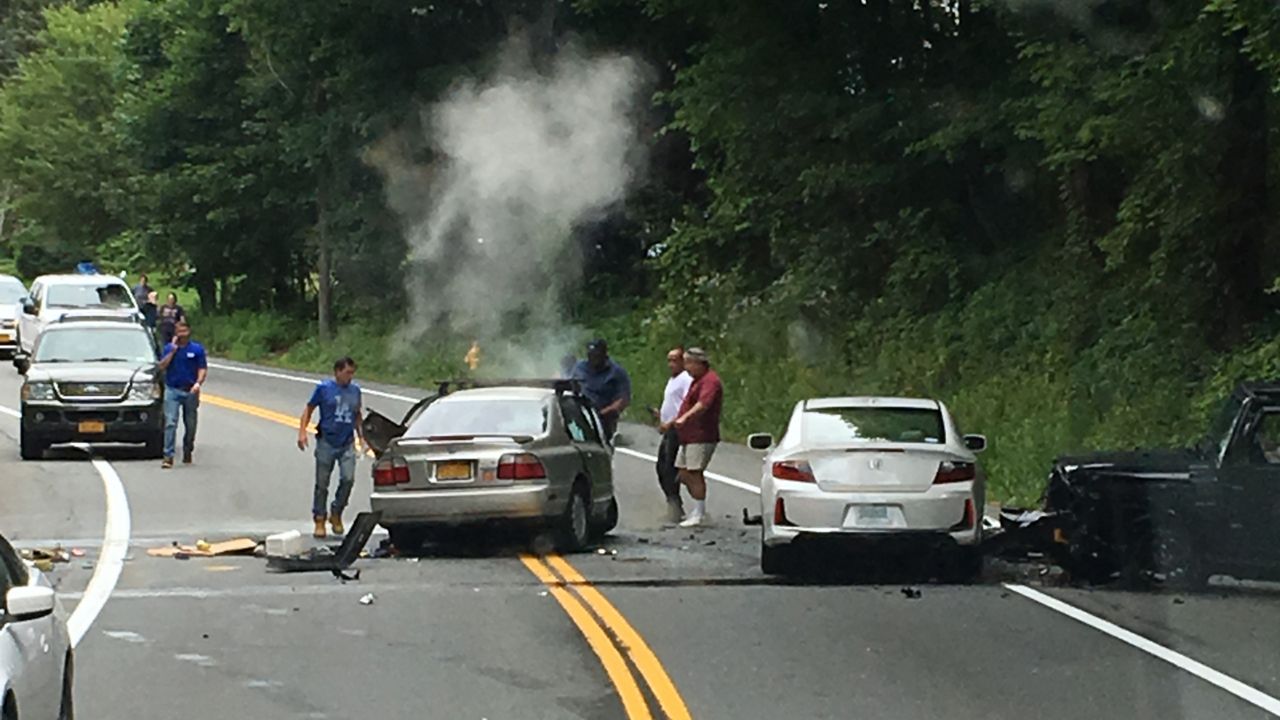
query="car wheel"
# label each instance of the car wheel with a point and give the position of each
(10, 709)
(967, 564)
(66, 710)
(573, 530)
(775, 559)
(405, 538)
(1175, 564)
(30, 447)
(610, 520)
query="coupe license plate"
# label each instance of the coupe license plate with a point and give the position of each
(453, 471)
(92, 427)
(869, 516)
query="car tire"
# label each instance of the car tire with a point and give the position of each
(406, 538)
(9, 711)
(29, 447)
(573, 528)
(66, 710)
(609, 522)
(775, 559)
(1175, 563)
(967, 564)
(154, 449)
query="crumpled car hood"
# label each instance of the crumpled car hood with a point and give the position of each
(1153, 464)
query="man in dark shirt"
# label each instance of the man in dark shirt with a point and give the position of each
(185, 365)
(605, 384)
(698, 425)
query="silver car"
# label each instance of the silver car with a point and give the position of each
(513, 452)
(11, 293)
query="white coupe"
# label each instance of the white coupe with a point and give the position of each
(36, 671)
(868, 472)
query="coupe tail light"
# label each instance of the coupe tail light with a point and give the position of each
(950, 472)
(520, 466)
(794, 470)
(390, 471)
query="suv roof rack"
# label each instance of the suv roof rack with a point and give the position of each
(81, 316)
(559, 385)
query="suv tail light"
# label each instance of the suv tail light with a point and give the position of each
(390, 471)
(950, 472)
(795, 470)
(520, 466)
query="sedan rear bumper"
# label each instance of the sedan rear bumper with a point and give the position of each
(462, 506)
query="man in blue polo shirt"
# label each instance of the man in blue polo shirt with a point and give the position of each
(185, 366)
(605, 384)
(340, 411)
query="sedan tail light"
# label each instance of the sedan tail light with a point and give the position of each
(951, 472)
(390, 471)
(794, 470)
(521, 466)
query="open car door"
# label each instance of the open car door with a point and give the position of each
(380, 431)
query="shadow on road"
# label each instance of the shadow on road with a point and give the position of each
(113, 453)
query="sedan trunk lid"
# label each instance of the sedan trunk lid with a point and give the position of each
(877, 468)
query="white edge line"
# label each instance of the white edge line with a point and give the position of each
(115, 546)
(710, 475)
(10, 412)
(309, 381)
(1245, 692)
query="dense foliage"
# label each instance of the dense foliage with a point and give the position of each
(1057, 215)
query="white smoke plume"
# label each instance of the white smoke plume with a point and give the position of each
(522, 159)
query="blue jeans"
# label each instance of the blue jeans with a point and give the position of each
(326, 456)
(188, 404)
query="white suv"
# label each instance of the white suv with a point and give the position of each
(54, 297)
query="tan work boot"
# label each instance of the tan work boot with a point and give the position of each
(319, 533)
(335, 522)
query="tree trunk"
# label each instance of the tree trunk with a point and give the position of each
(1238, 252)
(324, 284)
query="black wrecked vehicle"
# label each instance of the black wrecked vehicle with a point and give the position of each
(1174, 517)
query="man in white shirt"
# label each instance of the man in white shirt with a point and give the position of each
(668, 477)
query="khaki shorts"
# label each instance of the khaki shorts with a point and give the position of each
(695, 456)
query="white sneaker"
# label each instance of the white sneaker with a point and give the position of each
(694, 520)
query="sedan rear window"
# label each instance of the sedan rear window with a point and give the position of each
(481, 417)
(834, 426)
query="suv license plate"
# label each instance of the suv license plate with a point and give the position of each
(92, 427)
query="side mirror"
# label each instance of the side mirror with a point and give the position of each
(976, 443)
(21, 362)
(29, 306)
(28, 603)
(760, 441)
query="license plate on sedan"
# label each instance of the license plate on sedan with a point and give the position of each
(5, 337)
(453, 471)
(92, 427)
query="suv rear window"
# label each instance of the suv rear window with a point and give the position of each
(481, 417)
(834, 426)
(111, 295)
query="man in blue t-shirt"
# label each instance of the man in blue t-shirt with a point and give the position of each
(185, 366)
(340, 412)
(605, 384)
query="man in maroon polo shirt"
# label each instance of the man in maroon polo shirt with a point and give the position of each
(698, 426)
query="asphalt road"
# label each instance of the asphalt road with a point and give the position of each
(664, 622)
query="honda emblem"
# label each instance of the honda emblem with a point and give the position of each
(874, 463)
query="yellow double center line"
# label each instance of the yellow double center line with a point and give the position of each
(611, 637)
